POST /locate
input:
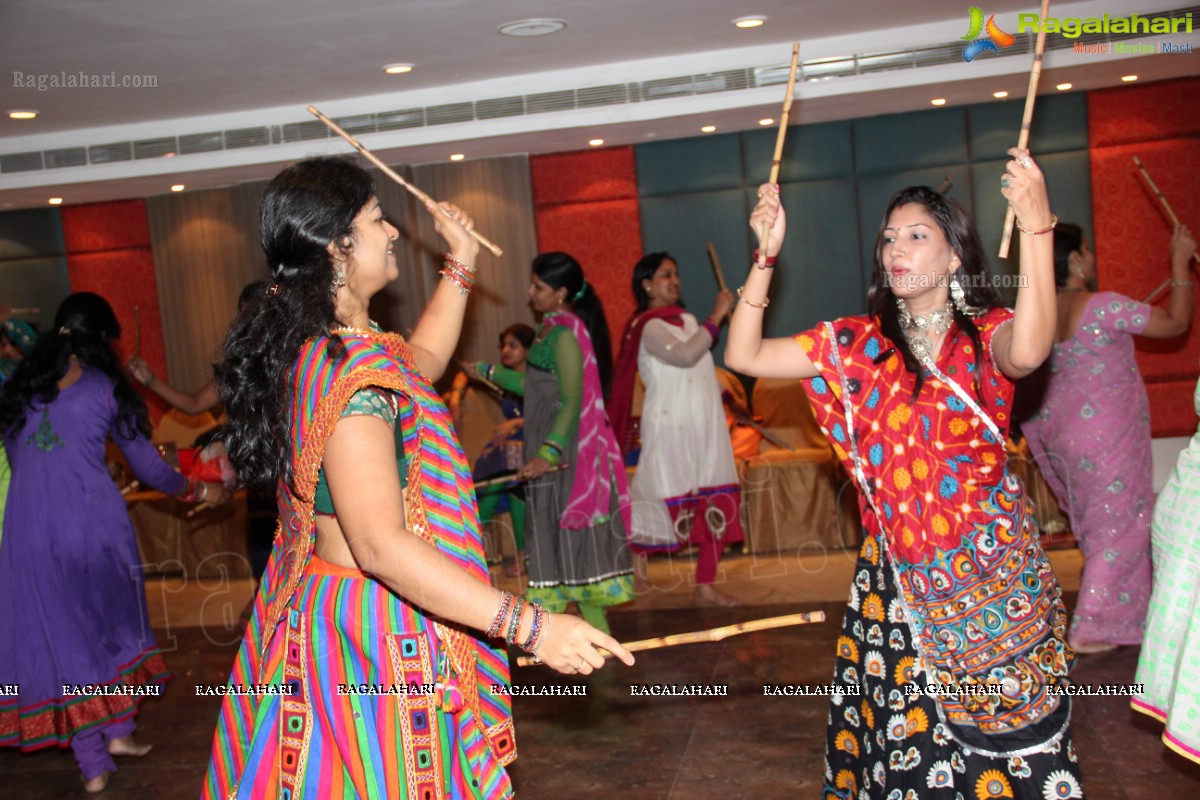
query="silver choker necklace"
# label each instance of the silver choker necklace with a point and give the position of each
(916, 329)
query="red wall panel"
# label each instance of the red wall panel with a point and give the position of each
(586, 205)
(109, 253)
(1160, 123)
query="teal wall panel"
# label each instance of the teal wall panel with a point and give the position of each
(705, 163)
(908, 141)
(33, 263)
(31, 232)
(811, 152)
(1059, 125)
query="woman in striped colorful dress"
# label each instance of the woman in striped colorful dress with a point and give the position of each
(363, 672)
(953, 652)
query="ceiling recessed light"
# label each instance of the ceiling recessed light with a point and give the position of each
(766, 122)
(56, 201)
(595, 142)
(22, 113)
(532, 27)
(179, 187)
(398, 69)
(750, 22)
(457, 157)
(1129, 78)
(1000, 95)
(1062, 87)
(938, 101)
(708, 129)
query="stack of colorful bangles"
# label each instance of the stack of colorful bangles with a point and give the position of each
(459, 274)
(508, 620)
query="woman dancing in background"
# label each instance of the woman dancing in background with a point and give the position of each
(505, 452)
(686, 468)
(70, 585)
(377, 576)
(1091, 435)
(951, 589)
(577, 516)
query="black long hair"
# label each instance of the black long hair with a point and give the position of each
(643, 271)
(561, 271)
(305, 208)
(973, 274)
(85, 327)
(1068, 239)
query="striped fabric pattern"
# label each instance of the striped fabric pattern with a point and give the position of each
(354, 745)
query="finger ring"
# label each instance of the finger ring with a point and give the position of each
(582, 661)
(1026, 162)
(1004, 181)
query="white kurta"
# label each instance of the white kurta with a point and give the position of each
(685, 441)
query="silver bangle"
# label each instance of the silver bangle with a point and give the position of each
(1181, 283)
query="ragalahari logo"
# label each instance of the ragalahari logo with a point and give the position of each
(979, 44)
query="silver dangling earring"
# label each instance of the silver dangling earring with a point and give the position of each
(339, 279)
(959, 298)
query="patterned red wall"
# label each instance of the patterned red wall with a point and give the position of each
(108, 252)
(585, 204)
(1160, 123)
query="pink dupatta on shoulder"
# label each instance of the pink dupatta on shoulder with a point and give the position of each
(598, 458)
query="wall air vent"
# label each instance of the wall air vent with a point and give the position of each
(449, 113)
(108, 153)
(21, 162)
(500, 107)
(247, 137)
(154, 148)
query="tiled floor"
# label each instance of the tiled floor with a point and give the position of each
(611, 744)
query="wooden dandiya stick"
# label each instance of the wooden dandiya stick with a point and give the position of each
(710, 635)
(777, 159)
(391, 173)
(1162, 200)
(514, 480)
(716, 265)
(23, 311)
(1035, 72)
(946, 183)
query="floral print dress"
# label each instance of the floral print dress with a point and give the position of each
(952, 651)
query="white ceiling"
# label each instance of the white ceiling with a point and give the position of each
(223, 64)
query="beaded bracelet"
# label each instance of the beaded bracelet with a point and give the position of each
(506, 601)
(1039, 231)
(766, 300)
(465, 281)
(452, 261)
(533, 649)
(514, 621)
(767, 262)
(535, 629)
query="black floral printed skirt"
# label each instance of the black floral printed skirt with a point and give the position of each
(886, 740)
